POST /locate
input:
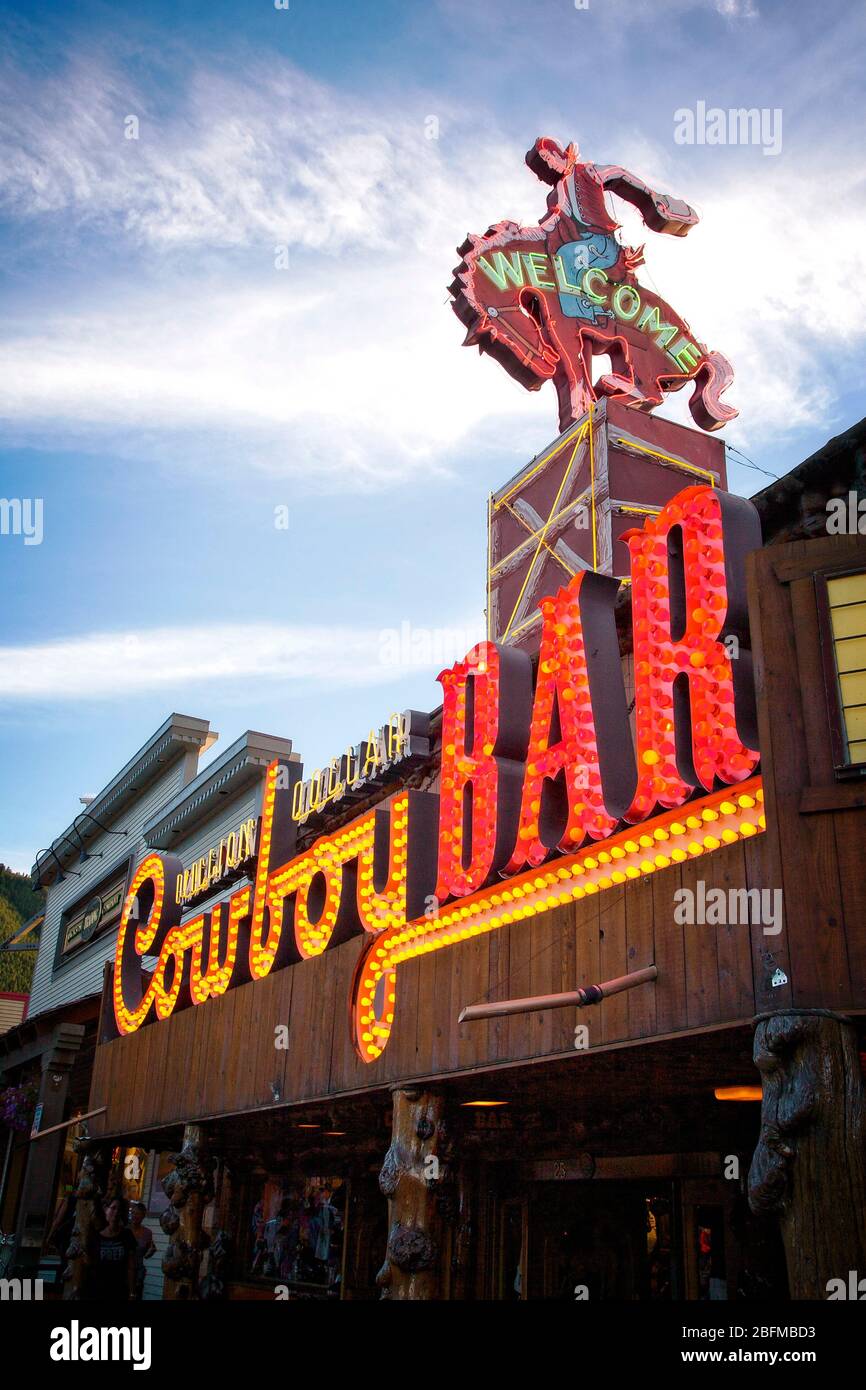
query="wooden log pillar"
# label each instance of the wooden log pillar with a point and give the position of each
(414, 1178)
(216, 1260)
(809, 1168)
(93, 1177)
(189, 1188)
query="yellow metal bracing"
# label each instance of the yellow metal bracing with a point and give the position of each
(572, 506)
(540, 536)
(543, 535)
(554, 449)
(629, 509)
(534, 534)
(527, 622)
(668, 458)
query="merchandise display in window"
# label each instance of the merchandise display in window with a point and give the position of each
(297, 1234)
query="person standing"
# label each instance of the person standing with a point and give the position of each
(144, 1246)
(63, 1224)
(112, 1262)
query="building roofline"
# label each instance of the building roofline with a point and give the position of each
(236, 768)
(795, 504)
(178, 734)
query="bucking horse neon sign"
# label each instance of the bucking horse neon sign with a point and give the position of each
(545, 300)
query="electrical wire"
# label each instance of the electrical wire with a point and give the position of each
(750, 463)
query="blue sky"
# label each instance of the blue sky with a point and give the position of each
(166, 389)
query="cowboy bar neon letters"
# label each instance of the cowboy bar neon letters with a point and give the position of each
(539, 789)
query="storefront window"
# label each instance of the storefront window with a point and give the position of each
(297, 1234)
(842, 614)
(157, 1200)
(133, 1170)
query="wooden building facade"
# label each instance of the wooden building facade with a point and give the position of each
(698, 1135)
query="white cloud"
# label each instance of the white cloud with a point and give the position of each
(737, 9)
(338, 387)
(106, 666)
(345, 370)
(344, 367)
(266, 156)
(757, 281)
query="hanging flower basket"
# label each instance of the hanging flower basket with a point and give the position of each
(17, 1104)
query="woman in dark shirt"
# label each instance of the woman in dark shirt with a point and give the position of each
(112, 1258)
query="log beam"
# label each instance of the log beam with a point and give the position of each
(573, 998)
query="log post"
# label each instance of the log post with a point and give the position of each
(217, 1259)
(414, 1179)
(809, 1167)
(93, 1176)
(189, 1188)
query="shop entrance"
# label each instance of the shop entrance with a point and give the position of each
(611, 1241)
(634, 1240)
(595, 1241)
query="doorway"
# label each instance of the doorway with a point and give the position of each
(602, 1241)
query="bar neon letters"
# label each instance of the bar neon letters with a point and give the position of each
(538, 796)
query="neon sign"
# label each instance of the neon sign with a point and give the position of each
(380, 757)
(544, 300)
(542, 799)
(233, 853)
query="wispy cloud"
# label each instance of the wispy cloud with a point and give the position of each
(749, 281)
(323, 387)
(269, 155)
(737, 9)
(106, 666)
(343, 365)
(345, 369)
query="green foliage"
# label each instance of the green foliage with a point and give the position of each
(15, 888)
(18, 903)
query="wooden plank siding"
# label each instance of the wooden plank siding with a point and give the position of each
(220, 1058)
(815, 858)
